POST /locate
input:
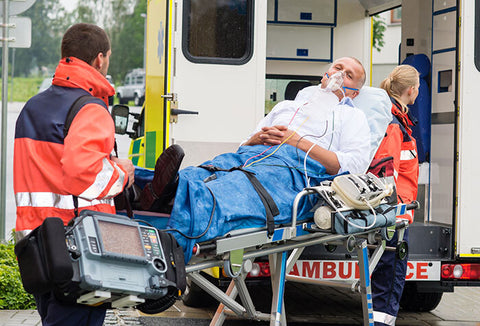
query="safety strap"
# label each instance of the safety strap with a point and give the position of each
(271, 208)
(77, 105)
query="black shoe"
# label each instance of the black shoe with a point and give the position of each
(157, 195)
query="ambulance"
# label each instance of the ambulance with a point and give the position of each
(215, 68)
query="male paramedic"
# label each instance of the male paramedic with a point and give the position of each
(298, 144)
(50, 170)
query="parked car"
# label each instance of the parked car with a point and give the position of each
(133, 88)
(110, 80)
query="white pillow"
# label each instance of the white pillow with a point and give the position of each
(377, 106)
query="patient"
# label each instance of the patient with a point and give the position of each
(300, 143)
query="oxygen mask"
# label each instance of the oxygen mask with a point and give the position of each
(335, 82)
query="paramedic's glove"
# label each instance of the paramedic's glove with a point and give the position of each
(127, 165)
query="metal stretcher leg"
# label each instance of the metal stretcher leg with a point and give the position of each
(278, 265)
(365, 286)
(219, 317)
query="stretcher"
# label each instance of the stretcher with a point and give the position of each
(237, 250)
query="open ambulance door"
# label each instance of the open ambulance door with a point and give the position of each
(218, 70)
(152, 128)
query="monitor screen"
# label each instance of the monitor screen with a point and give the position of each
(121, 239)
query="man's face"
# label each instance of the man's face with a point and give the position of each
(353, 72)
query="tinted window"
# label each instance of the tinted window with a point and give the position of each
(218, 31)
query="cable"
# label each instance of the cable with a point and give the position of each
(209, 222)
(345, 219)
(293, 116)
(286, 139)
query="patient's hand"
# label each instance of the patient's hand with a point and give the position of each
(276, 135)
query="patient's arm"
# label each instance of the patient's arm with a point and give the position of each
(277, 134)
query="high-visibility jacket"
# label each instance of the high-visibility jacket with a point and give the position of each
(49, 169)
(399, 143)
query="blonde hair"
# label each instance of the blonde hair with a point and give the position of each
(398, 81)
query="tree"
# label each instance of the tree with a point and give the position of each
(49, 21)
(379, 28)
(127, 42)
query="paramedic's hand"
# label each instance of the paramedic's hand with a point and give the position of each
(278, 134)
(127, 165)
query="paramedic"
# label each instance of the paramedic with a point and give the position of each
(388, 278)
(50, 171)
(344, 152)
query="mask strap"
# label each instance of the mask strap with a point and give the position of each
(350, 88)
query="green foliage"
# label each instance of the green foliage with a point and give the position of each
(49, 21)
(12, 294)
(22, 88)
(379, 28)
(127, 43)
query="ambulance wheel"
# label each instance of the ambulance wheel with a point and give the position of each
(415, 301)
(195, 297)
(402, 250)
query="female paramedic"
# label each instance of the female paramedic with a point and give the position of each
(388, 278)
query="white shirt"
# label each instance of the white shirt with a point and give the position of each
(334, 125)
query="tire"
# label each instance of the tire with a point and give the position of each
(415, 301)
(195, 297)
(138, 101)
(121, 100)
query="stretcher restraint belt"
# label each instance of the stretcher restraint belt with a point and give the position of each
(271, 208)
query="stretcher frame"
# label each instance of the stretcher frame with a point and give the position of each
(236, 252)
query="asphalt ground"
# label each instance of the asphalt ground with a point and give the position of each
(305, 305)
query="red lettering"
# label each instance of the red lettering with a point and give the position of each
(410, 270)
(294, 271)
(308, 270)
(341, 270)
(329, 270)
(422, 271)
(357, 271)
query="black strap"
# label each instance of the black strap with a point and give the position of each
(77, 105)
(271, 208)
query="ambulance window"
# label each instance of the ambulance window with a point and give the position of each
(477, 35)
(283, 87)
(218, 31)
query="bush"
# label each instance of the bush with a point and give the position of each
(12, 294)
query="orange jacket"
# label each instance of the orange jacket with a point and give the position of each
(399, 143)
(48, 169)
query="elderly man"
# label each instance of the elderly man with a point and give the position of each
(300, 143)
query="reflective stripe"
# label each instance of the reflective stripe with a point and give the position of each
(382, 317)
(406, 155)
(103, 179)
(49, 199)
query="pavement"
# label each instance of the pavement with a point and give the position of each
(456, 309)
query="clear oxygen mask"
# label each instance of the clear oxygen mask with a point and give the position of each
(335, 82)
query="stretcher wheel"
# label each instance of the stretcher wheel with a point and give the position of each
(402, 250)
(330, 247)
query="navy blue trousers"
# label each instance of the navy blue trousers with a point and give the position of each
(54, 313)
(388, 280)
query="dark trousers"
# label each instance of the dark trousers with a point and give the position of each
(388, 280)
(55, 313)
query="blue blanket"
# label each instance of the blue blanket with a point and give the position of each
(237, 204)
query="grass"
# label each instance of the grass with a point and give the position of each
(22, 88)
